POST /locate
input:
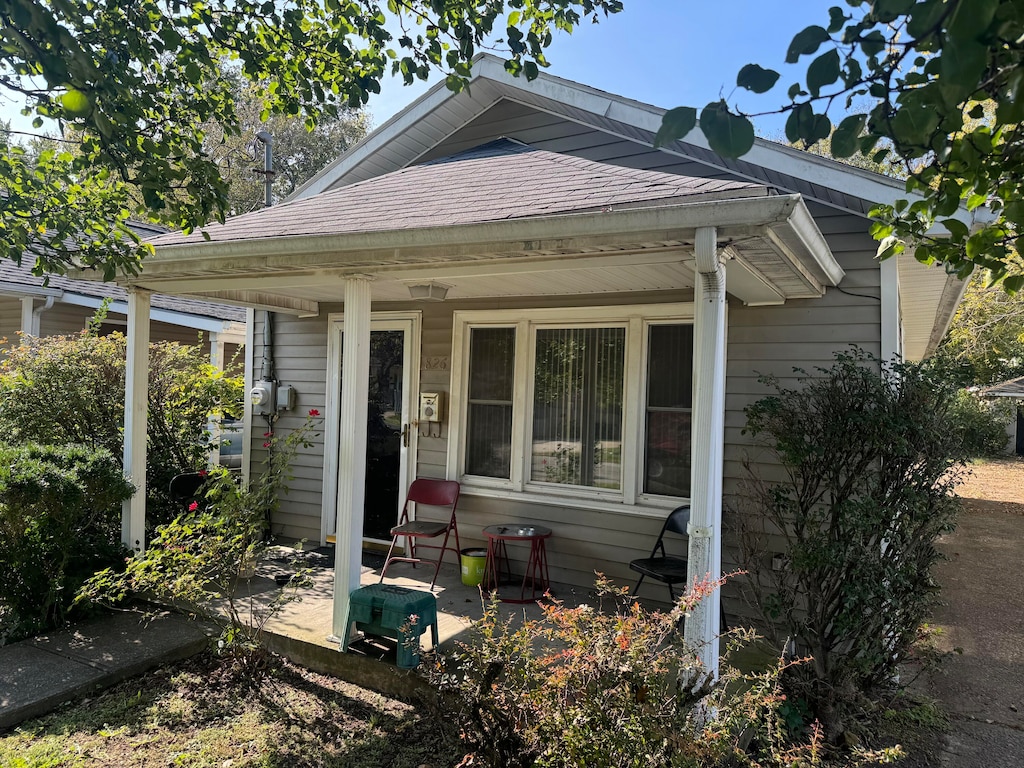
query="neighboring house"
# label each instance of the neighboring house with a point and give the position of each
(594, 314)
(1014, 391)
(64, 305)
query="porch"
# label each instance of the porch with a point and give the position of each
(303, 629)
(310, 619)
(653, 259)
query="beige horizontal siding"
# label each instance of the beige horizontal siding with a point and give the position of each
(761, 340)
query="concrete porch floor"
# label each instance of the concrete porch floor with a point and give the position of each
(301, 630)
(308, 620)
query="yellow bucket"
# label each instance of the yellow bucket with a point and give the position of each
(474, 562)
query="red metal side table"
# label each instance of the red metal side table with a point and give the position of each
(498, 570)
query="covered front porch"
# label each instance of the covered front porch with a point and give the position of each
(650, 249)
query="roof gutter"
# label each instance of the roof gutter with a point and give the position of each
(785, 215)
(21, 289)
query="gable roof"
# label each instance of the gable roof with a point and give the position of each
(497, 181)
(604, 126)
(410, 136)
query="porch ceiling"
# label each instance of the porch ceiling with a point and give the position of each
(775, 253)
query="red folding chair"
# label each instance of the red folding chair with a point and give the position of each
(430, 493)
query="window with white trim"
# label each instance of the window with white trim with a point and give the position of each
(591, 402)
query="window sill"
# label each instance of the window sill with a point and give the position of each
(646, 506)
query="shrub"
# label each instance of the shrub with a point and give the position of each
(70, 390)
(982, 423)
(608, 687)
(199, 559)
(60, 520)
(870, 464)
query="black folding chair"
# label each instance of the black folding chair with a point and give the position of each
(666, 568)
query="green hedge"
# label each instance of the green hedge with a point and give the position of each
(60, 519)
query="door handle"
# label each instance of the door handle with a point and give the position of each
(405, 435)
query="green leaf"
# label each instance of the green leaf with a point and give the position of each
(806, 42)
(887, 11)
(757, 79)
(729, 135)
(961, 65)
(837, 18)
(925, 18)
(956, 228)
(193, 73)
(970, 19)
(914, 125)
(873, 43)
(1013, 284)
(675, 124)
(846, 136)
(823, 71)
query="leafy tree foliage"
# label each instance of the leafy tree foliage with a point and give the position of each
(985, 342)
(136, 80)
(928, 67)
(299, 153)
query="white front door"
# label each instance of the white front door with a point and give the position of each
(390, 438)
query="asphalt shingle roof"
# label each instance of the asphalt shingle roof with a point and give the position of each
(1011, 388)
(503, 179)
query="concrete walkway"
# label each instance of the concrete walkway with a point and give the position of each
(980, 682)
(39, 674)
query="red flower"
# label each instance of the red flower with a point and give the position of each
(267, 444)
(268, 434)
(314, 412)
(203, 473)
(193, 506)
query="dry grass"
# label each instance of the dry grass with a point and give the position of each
(203, 713)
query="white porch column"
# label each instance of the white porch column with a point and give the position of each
(213, 424)
(355, 377)
(136, 406)
(28, 316)
(705, 550)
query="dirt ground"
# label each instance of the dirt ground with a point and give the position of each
(995, 485)
(980, 623)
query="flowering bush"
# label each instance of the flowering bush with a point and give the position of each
(612, 686)
(201, 557)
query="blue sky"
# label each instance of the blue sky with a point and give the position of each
(673, 52)
(663, 52)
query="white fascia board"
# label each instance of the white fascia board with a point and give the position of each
(168, 316)
(373, 142)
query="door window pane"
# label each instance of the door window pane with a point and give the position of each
(489, 418)
(577, 407)
(669, 401)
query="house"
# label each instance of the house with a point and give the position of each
(1013, 391)
(585, 316)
